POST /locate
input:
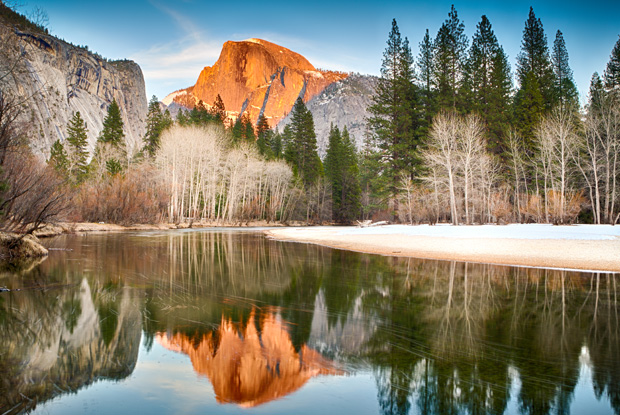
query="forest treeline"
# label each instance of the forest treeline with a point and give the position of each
(450, 139)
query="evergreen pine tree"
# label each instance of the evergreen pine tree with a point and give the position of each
(302, 149)
(276, 145)
(489, 83)
(113, 126)
(612, 72)
(218, 110)
(534, 58)
(450, 48)
(529, 105)
(154, 127)
(77, 141)
(342, 171)
(397, 114)
(425, 77)
(264, 137)
(182, 118)
(566, 94)
(499, 111)
(111, 137)
(58, 158)
(596, 93)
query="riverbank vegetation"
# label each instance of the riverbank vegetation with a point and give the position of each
(450, 139)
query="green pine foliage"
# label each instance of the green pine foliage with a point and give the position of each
(156, 123)
(182, 118)
(58, 158)
(342, 171)
(200, 116)
(529, 107)
(612, 72)
(488, 84)
(534, 58)
(113, 126)
(264, 137)
(301, 150)
(77, 142)
(397, 112)
(243, 130)
(111, 150)
(219, 110)
(566, 94)
(596, 94)
(373, 184)
(425, 79)
(450, 53)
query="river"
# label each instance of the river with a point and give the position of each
(228, 321)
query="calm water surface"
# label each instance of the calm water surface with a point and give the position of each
(206, 321)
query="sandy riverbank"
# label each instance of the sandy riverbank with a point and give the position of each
(586, 247)
(72, 227)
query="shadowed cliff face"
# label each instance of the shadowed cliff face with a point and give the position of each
(259, 77)
(251, 367)
(53, 79)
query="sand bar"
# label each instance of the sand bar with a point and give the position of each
(583, 247)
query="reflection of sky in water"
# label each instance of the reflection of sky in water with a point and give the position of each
(165, 383)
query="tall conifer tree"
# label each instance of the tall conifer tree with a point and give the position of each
(489, 83)
(342, 171)
(566, 94)
(155, 125)
(219, 110)
(612, 72)
(534, 58)
(450, 52)
(396, 110)
(302, 148)
(77, 140)
(425, 78)
(113, 126)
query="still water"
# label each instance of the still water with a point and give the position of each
(219, 321)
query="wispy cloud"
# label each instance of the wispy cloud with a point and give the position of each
(179, 60)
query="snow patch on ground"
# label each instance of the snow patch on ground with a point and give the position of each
(514, 231)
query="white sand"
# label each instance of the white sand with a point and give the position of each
(585, 247)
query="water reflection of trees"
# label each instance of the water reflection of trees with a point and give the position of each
(440, 337)
(453, 334)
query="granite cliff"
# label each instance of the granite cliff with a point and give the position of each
(257, 77)
(53, 79)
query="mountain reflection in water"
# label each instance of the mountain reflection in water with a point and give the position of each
(262, 319)
(247, 367)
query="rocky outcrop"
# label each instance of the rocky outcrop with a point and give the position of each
(343, 103)
(54, 79)
(257, 77)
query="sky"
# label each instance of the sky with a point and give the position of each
(173, 40)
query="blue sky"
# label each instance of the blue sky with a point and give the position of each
(173, 40)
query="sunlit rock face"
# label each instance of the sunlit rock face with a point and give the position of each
(257, 77)
(54, 79)
(248, 366)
